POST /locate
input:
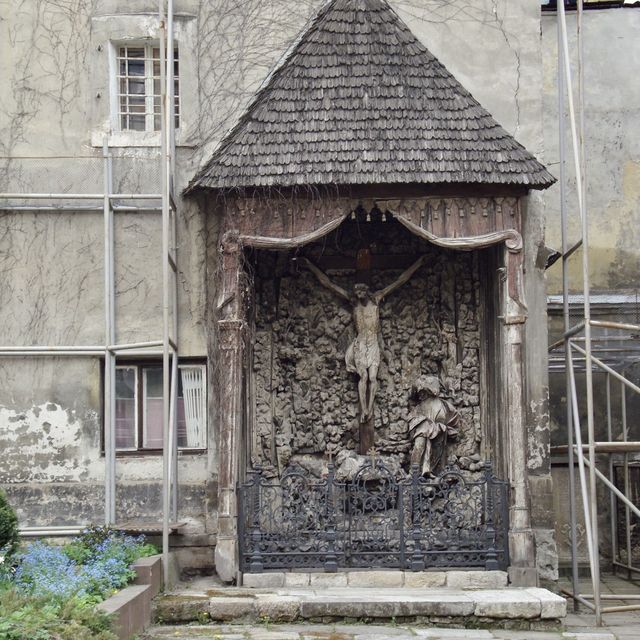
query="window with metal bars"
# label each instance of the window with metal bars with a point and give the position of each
(138, 87)
(552, 5)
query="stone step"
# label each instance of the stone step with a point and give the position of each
(518, 608)
(457, 579)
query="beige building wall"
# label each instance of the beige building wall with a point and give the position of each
(55, 64)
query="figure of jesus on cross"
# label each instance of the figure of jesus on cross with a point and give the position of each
(363, 355)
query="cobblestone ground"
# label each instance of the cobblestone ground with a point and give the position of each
(375, 632)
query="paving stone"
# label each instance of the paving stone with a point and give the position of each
(404, 636)
(296, 579)
(506, 603)
(454, 634)
(263, 580)
(552, 605)
(328, 579)
(277, 608)
(424, 579)
(374, 631)
(476, 579)
(585, 635)
(275, 634)
(174, 609)
(228, 609)
(375, 578)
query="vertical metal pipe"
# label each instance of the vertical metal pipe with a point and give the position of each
(581, 462)
(173, 293)
(166, 486)
(627, 482)
(595, 569)
(109, 358)
(173, 436)
(613, 503)
(562, 21)
(567, 320)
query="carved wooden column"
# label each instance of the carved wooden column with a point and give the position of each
(231, 335)
(522, 570)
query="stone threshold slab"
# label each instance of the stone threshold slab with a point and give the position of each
(459, 579)
(455, 606)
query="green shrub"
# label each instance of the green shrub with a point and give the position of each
(9, 534)
(26, 617)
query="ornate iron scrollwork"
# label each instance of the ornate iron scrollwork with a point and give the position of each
(374, 520)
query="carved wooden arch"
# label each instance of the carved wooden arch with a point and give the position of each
(461, 224)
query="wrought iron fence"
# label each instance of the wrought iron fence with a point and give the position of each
(373, 520)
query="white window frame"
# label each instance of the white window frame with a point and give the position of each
(136, 425)
(114, 84)
(140, 402)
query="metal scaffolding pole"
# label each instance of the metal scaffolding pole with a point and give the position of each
(169, 337)
(105, 203)
(565, 303)
(109, 356)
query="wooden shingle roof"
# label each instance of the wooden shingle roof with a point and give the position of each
(359, 100)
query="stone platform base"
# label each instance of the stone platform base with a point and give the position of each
(511, 608)
(457, 579)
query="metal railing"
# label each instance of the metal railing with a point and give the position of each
(374, 519)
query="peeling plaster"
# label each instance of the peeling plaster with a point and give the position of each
(44, 443)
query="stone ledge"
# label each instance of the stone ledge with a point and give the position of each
(381, 578)
(454, 607)
(508, 603)
(131, 606)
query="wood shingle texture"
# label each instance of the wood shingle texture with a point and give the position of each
(359, 100)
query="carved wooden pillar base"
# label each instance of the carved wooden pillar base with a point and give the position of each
(231, 328)
(522, 570)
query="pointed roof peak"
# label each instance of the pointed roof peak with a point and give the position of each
(358, 99)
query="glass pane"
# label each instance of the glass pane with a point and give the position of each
(156, 53)
(182, 424)
(122, 51)
(193, 394)
(156, 87)
(156, 68)
(125, 382)
(156, 123)
(135, 67)
(136, 123)
(153, 424)
(136, 87)
(125, 408)
(153, 413)
(177, 122)
(135, 52)
(153, 376)
(123, 68)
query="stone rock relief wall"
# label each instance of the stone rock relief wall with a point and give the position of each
(306, 402)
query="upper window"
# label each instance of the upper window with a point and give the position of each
(552, 5)
(138, 87)
(139, 407)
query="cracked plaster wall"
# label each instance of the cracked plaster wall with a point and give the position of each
(54, 57)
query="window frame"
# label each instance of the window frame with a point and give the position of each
(140, 411)
(116, 113)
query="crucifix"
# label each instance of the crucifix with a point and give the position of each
(363, 354)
